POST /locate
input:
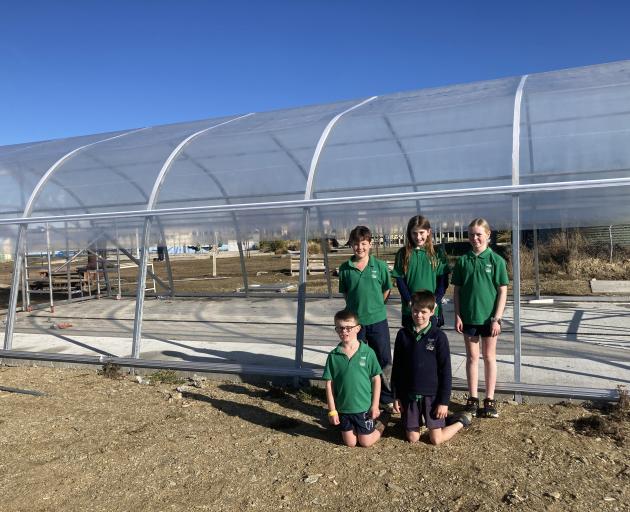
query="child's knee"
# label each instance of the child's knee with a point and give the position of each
(435, 436)
(350, 442)
(367, 441)
(349, 438)
(472, 358)
(489, 357)
(412, 436)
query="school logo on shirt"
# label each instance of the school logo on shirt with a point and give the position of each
(362, 360)
(430, 344)
(374, 274)
(489, 268)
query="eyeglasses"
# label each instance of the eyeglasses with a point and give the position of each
(344, 328)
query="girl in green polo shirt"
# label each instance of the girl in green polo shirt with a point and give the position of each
(480, 280)
(419, 266)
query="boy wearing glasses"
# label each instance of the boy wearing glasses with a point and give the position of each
(353, 385)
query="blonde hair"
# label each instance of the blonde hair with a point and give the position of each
(480, 223)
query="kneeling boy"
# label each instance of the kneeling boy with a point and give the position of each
(421, 375)
(353, 385)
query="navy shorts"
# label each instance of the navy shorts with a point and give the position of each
(472, 330)
(359, 422)
(414, 411)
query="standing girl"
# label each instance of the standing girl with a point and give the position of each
(418, 267)
(480, 279)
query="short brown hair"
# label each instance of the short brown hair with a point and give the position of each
(345, 315)
(359, 234)
(423, 299)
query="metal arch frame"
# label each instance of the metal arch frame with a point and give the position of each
(516, 230)
(157, 186)
(308, 194)
(28, 209)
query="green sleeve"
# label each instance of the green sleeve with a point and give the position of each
(327, 375)
(385, 277)
(501, 277)
(375, 368)
(398, 264)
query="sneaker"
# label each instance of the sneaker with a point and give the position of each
(472, 406)
(490, 408)
(464, 417)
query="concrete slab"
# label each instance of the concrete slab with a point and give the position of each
(616, 287)
(569, 344)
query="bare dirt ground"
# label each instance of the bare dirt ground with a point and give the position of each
(97, 443)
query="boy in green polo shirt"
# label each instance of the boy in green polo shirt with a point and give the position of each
(353, 385)
(480, 279)
(366, 284)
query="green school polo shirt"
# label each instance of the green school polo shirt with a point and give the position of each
(364, 289)
(420, 273)
(478, 278)
(352, 378)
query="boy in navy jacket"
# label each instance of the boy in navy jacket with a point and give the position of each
(421, 376)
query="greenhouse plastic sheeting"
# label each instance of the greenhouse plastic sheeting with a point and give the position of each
(558, 141)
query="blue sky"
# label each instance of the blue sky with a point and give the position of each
(78, 67)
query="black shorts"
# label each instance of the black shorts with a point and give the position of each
(472, 330)
(414, 411)
(359, 422)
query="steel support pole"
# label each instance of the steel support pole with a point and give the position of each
(324, 244)
(536, 263)
(119, 292)
(49, 264)
(140, 290)
(68, 276)
(516, 285)
(15, 286)
(516, 231)
(22, 263)
(241, 255)
(301, 311)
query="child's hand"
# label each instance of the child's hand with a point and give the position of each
(459, 325)
(333, 420)
(496, 329)
(441, 411)
(397, 406)
(374, 412)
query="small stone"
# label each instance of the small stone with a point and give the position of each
(381, 473)
(610, 498)
(512, 497)
(511, 402)
(198, 382)
(528, 441)
(312, 479)
(553, 494)
(394, 488)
